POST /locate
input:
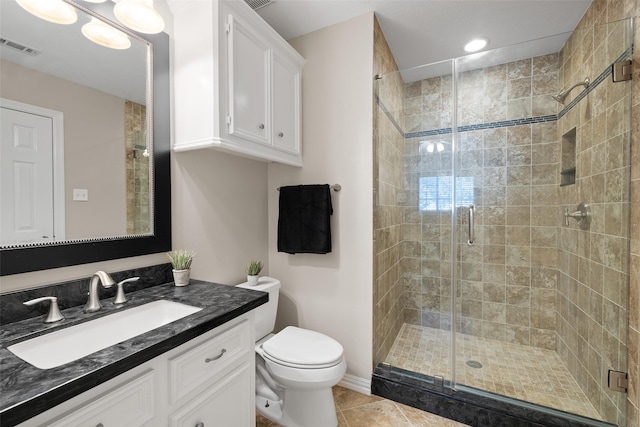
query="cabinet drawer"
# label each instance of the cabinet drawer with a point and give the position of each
(130, 405)
(200, 364)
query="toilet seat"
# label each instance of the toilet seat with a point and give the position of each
(300, 348)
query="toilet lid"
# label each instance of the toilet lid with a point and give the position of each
(300, 347)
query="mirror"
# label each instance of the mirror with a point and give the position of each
(105, 137)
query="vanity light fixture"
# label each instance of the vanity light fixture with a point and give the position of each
(475, 45)
(105, 35)
(56, 11)
(139, 15)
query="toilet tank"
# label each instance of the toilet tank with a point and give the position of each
(266, 313)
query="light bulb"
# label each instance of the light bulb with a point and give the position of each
(139, 15)
(55, 11)
(440, 146)
(105, 35)
(430, 147)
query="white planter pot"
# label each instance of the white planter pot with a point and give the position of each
(253, 280)
(181, 277)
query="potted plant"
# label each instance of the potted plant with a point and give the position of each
(253, 269)
(181, 262)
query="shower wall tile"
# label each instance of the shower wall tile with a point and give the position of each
(593, 264)
(389, 295)
(511, 236)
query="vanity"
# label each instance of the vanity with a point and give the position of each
(196, 371)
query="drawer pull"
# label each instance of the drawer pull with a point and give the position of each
(281, 134)
(99, 425)
(200, 424)
(211, 359)
(261, 126)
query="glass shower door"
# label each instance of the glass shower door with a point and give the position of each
(541, 289)
(418, 118)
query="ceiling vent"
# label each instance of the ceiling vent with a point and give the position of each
(258, 4)
(17, 46)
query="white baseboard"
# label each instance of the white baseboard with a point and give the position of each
(361, 385)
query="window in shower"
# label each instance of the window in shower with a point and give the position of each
(435, 192)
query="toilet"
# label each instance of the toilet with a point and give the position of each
(295, 368)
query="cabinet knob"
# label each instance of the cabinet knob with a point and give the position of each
(261, 126)
(200, 424)
(99, 425)
(281, 134)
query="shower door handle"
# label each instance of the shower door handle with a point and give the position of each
(472, 237)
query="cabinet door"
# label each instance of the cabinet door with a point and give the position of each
(130, 405)
(227, 403)
(286, 105)
(248, 85)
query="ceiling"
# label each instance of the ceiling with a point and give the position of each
(422, 32)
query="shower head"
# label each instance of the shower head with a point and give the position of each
(560, 97)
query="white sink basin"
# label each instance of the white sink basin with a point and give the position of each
(66, 345)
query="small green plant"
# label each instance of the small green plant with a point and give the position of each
(181, 259)
(254, 268)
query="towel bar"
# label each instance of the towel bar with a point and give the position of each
(336, 187)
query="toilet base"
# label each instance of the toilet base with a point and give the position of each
(301, 408)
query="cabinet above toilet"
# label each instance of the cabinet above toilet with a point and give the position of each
(236, 83)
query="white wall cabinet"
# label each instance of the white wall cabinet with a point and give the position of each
(236, 83)
(208, 381)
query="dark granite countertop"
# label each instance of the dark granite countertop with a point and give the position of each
(26, 391)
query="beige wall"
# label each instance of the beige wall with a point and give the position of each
(94, 148)
(220, 212)
(332, 293)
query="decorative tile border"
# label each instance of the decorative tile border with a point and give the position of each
(627, 54)
(389, 115)
(482, 126)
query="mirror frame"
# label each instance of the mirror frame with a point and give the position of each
(35, 258)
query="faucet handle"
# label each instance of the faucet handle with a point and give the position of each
(120, 297)
(54, 314)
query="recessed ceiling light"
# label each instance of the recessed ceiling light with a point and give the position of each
(475, 45)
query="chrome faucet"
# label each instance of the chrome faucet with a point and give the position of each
(93, 303)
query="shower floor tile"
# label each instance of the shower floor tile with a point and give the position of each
(527, 373)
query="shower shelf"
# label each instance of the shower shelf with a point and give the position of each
(567, 176)
(568, 161)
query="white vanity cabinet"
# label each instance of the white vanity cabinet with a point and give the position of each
(208, 381)
(236, 83)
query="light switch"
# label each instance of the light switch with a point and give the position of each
(80, 195)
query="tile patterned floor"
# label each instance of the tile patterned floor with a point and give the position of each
(359, 410)
(527, 373)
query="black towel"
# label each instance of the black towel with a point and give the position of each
(304, 224)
